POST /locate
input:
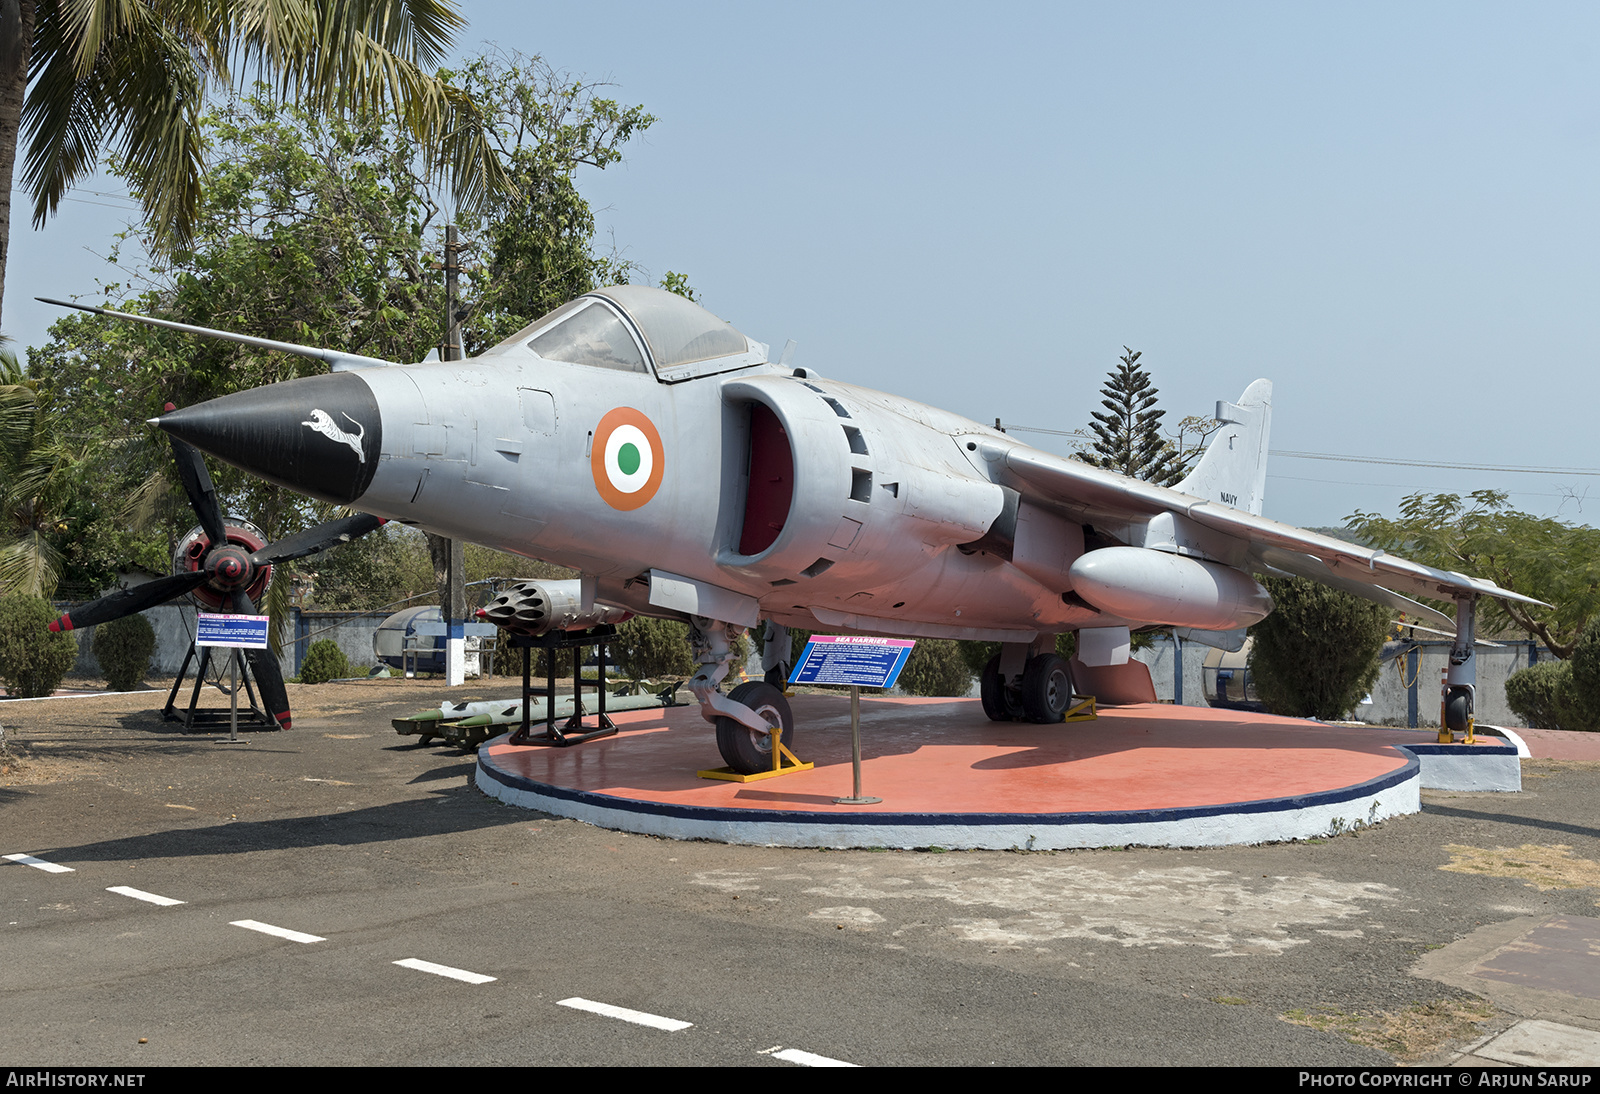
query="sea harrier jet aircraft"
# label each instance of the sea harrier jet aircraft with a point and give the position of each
(638, 439)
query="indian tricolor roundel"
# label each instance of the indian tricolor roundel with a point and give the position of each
(628, 459)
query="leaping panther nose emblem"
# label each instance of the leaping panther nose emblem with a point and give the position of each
(322, 422)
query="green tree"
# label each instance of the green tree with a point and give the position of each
(1127, 433)
(310, 229)
(36, 494)
(1481, 535)
(139, 73)
(1316, 655)
(535, 242)
(647, 648)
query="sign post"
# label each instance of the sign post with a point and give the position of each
(856, 661)
(233, 633)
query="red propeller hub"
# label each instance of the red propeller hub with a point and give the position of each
(227, 566)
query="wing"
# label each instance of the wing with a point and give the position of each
(1216, 511)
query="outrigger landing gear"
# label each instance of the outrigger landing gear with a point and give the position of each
(1456, 714)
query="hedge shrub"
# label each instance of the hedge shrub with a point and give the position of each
(324, 661)
(1544, 697)
(123, 648)
(936, 667)
(1561, 694)
(32, 659)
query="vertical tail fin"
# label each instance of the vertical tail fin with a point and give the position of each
(1233, 469)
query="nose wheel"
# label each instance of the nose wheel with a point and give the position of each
(748, 751)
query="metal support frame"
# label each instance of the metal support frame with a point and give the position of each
(571, 732)
(192, 716)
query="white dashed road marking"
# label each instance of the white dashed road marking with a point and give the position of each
(638, 1017)
(809, 1059)
(140, 894)
(38, 864)
(281, 932)
(444, 970)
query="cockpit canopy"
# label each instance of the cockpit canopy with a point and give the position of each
(630, 327)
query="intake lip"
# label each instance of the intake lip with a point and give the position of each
(318, 435)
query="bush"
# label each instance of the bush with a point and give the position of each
(647, 648)
(32, 659)
(324, 661)
(1316, 655)
(123, 648)
(1546, 697)
(936, 667)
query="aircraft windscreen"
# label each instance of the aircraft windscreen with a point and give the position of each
(590, 336)
(679, 331)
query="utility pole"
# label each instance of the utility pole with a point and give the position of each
(455, 606)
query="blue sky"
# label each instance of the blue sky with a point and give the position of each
(1389, 210)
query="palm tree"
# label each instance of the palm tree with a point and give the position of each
(35, 473)
(136, 74)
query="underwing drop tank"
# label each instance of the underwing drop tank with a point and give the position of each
(1137, 583)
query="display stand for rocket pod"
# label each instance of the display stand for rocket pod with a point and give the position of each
(193, 717)
(571, 732)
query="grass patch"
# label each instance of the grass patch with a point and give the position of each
(1541, 866)
(1411, 1034)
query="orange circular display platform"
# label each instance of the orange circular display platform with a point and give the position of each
(1155, 775)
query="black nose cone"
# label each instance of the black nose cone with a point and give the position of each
(319, 436)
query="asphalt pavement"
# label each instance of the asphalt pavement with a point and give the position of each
(337, 894)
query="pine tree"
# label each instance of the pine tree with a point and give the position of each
(1128, 433)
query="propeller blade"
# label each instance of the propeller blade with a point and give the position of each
(312, 540)
(264, 667)
(197, 484)
(129, 601)
(269, 678)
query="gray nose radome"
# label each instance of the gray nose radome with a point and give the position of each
(319, 436)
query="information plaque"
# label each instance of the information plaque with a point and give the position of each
(243, 632)
(852, 660)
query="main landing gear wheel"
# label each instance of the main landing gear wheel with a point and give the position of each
(1046, 688)
(1000, 703)
(745, 750)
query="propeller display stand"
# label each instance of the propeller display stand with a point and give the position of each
(192, 716)
(571, 731)
(222, 566)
